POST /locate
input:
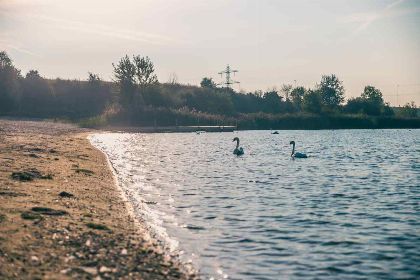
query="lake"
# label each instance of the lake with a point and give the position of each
(351, 210)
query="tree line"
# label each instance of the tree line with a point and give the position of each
(136, 97)
(31, 95)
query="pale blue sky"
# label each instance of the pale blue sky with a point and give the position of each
(270, 42)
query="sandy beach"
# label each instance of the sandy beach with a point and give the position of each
(62, 215)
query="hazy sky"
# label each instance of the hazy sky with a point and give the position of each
(270, 42)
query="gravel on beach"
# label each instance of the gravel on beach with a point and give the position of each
(61, 214)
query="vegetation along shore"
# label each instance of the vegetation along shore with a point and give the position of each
(61, 214)
(135, 97)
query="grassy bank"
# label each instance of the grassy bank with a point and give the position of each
(170, 118)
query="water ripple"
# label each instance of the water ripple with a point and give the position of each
(349, 211)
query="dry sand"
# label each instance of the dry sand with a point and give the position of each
(84, 233)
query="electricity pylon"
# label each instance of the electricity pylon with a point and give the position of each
(228, 82)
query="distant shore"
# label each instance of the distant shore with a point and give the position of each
(165, 129)
(254, 122)
(257, 122)
(61, 213)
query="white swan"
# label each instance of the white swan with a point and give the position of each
(238, 151)
(296, 155)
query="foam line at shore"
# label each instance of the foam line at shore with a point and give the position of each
(129, 207)
(152, 233)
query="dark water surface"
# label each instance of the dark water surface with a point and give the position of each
(349, 211)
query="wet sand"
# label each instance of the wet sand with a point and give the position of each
(62, 215)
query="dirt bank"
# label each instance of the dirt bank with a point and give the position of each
(61, 215)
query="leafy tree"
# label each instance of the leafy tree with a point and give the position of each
(312, 102)
(370, 102)
(125, 71)
(145, 71)
(156, 97)
(146, 102)
(373, 94)
(409, 110)
(251, 102)
(272, 102)
(297, 95)
(93, 79)
(258, 93)
(355, 105)
(286, 90)
(99, 93)
(208, 100)
(207, 83)
(387, 111)
(5, 60)
(37, 96)
(33, 74)
(9, 84)
(133, 78)
(374, 100)
(80, 99)
(331, 91)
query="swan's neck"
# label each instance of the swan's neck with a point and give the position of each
(237, 144)
(293, 150)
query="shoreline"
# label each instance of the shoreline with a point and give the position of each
(129, 207)
(145, 229)
(168, 129)
(130, 129)
(64, 216)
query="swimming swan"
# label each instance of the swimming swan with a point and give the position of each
(238, 151)
(296, 155)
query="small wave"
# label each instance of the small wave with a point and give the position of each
(339, 243)
(264, 216)
(193, 227)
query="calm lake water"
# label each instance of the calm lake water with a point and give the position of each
(349, 211)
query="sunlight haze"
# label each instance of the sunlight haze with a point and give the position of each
(269, 42)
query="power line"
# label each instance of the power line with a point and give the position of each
(228, 81)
